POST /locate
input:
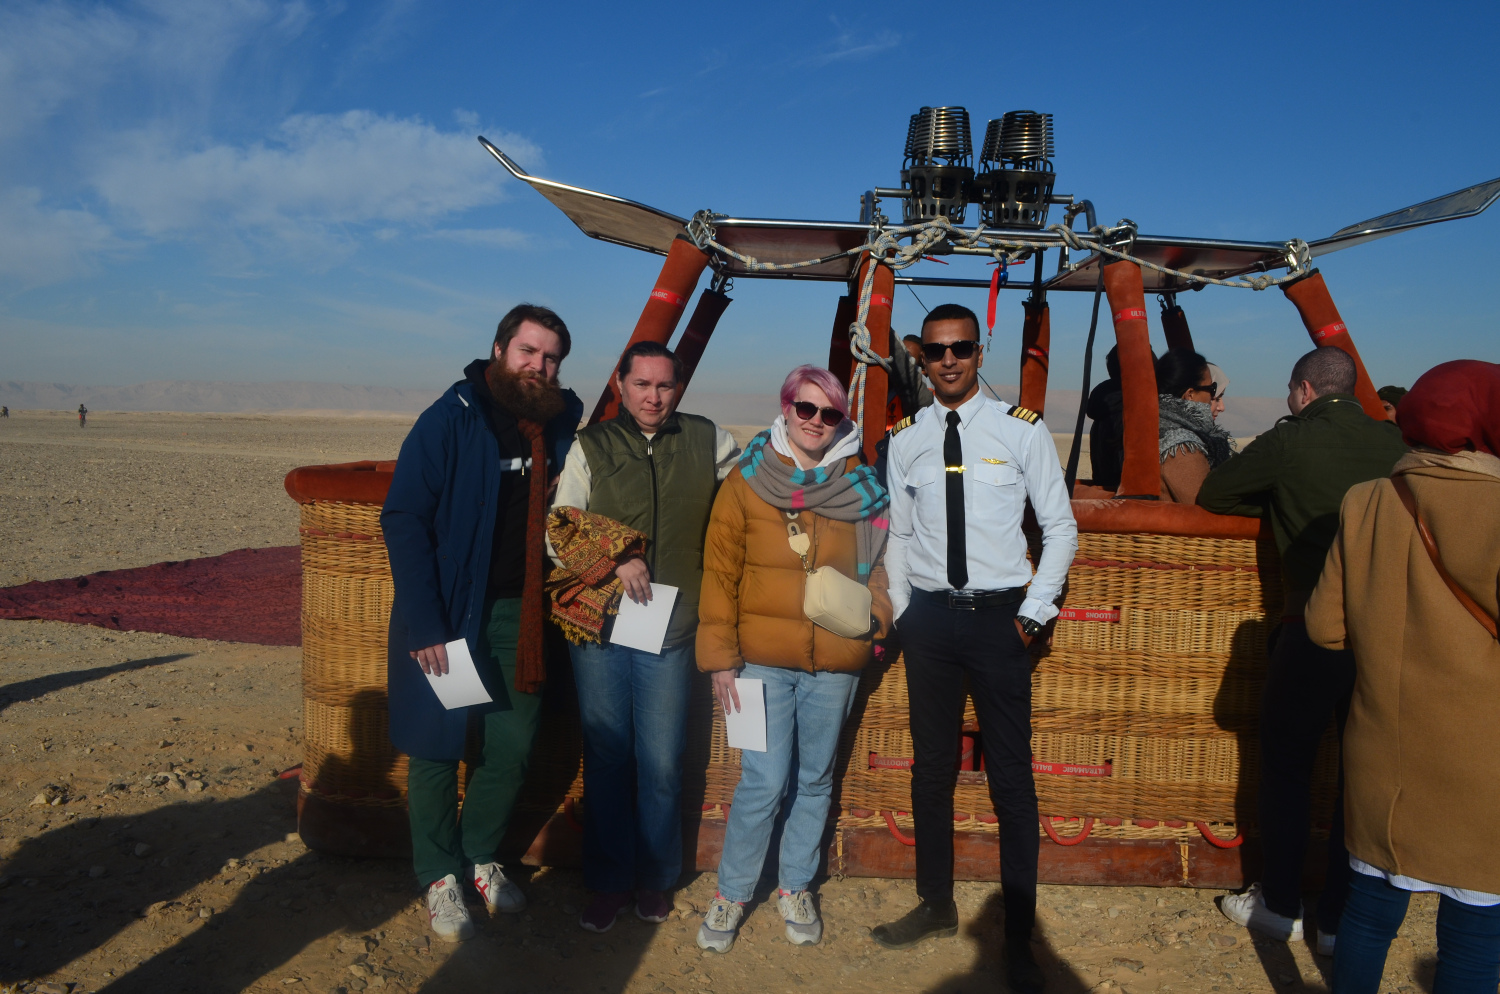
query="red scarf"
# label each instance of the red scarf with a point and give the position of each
(531, 659)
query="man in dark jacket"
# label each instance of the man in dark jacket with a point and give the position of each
(464, 525)
(1296, 475)
(655, 469)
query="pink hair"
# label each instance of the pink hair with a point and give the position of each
(818, 377)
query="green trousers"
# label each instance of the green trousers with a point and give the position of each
(441, 841)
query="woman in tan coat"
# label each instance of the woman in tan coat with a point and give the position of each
(1422, 745)
(801, 499)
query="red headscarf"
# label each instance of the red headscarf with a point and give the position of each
(1454, 407)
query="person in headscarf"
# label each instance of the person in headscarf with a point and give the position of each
(1191, 441)
(1422, 743)
(1390, 399)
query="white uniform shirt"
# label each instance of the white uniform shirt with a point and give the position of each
(1006, 461)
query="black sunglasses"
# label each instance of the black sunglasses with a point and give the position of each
(1212, 389)
(806, 409)
(933, 351)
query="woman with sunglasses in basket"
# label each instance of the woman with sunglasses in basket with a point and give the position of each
(801, 500)
(1192, 443)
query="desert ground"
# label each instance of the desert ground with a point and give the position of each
(147, 843)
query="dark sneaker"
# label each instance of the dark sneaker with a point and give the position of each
(926, 919)
(601, 913)
(1021, 970)
(652, 906)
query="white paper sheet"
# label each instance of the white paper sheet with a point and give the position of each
(746, 728)
(644, 626)
(460, 687)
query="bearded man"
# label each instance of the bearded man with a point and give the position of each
(464, 526)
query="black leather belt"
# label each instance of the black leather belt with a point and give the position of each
(970, 600)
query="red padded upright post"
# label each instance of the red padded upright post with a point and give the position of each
(840, 359)
(1036, 345)
(1141, 474)
(1320, 315)
(700, 328)
(679, 275)
(877, 380)
(1175, 326)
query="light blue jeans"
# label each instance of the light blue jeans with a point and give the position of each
(792, 779)
(634, 709)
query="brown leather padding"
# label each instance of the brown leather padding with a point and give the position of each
(700, 328)
(840, 359)
(346, 483)
(1036, 336)
(674, 286)
(1120, 517)
(877, 380)
(1319, 314)
(1141, 474)
(1175, 326)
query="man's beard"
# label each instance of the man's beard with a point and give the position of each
(525, 395)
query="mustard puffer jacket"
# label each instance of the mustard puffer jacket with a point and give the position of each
(750, 609)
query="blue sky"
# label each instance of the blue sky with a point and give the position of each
(262, 190)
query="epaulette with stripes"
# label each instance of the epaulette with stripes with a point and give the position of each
(901, 426)
(1026, 414)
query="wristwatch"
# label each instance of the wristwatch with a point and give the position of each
(1031, 627)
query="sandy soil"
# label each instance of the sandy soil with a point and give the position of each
(146, 843)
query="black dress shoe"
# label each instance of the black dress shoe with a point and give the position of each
(925, 919)
(1021, 971)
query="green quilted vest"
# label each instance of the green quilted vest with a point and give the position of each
(663, 486)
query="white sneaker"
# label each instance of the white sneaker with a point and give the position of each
(1249, 909)
(1326, 942)
(499, 893)
(720, 924)
(446, 911)
(803, 926)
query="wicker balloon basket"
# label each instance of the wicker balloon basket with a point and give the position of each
(1145, 711)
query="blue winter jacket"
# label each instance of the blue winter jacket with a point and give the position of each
(439, 523)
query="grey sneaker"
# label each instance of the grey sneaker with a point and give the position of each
(446, 911)
(499, 893)
(1249, 909)
(720, 925)
(1327, 941)
(803, 926)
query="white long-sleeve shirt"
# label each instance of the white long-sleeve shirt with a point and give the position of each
(1006, 461)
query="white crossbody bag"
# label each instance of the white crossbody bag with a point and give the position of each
(831, 600)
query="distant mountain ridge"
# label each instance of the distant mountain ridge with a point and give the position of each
(1243, 415)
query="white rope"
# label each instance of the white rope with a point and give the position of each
(885, 248)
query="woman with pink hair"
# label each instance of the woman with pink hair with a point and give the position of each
(802, 499)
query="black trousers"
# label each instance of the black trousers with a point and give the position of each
(1305, 686)
(943, 646)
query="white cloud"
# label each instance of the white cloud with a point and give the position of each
(494, 237)
(850, 45)
(321, 176)
(41, 245)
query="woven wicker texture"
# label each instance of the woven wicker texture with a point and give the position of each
(1168, 695)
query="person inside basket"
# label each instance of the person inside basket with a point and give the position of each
(655, 470)
(1192, 443)
(967, 608)
(802, 481)
(464, 527)
(1422, 744)
(1296, 475)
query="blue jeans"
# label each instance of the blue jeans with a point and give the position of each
(634, 710)
(804, 713)
(1468, 940)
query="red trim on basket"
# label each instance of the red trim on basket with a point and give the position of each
(1088, 826)
(1233, 843)
(890, 823)
(1108, 614)
(1071, 769)
(293, 773)
(879, 762)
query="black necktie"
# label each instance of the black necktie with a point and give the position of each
(953, 459)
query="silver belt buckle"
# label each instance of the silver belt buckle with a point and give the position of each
(963, 600)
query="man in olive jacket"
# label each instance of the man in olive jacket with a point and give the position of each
(1296, 475)
(654, 469)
